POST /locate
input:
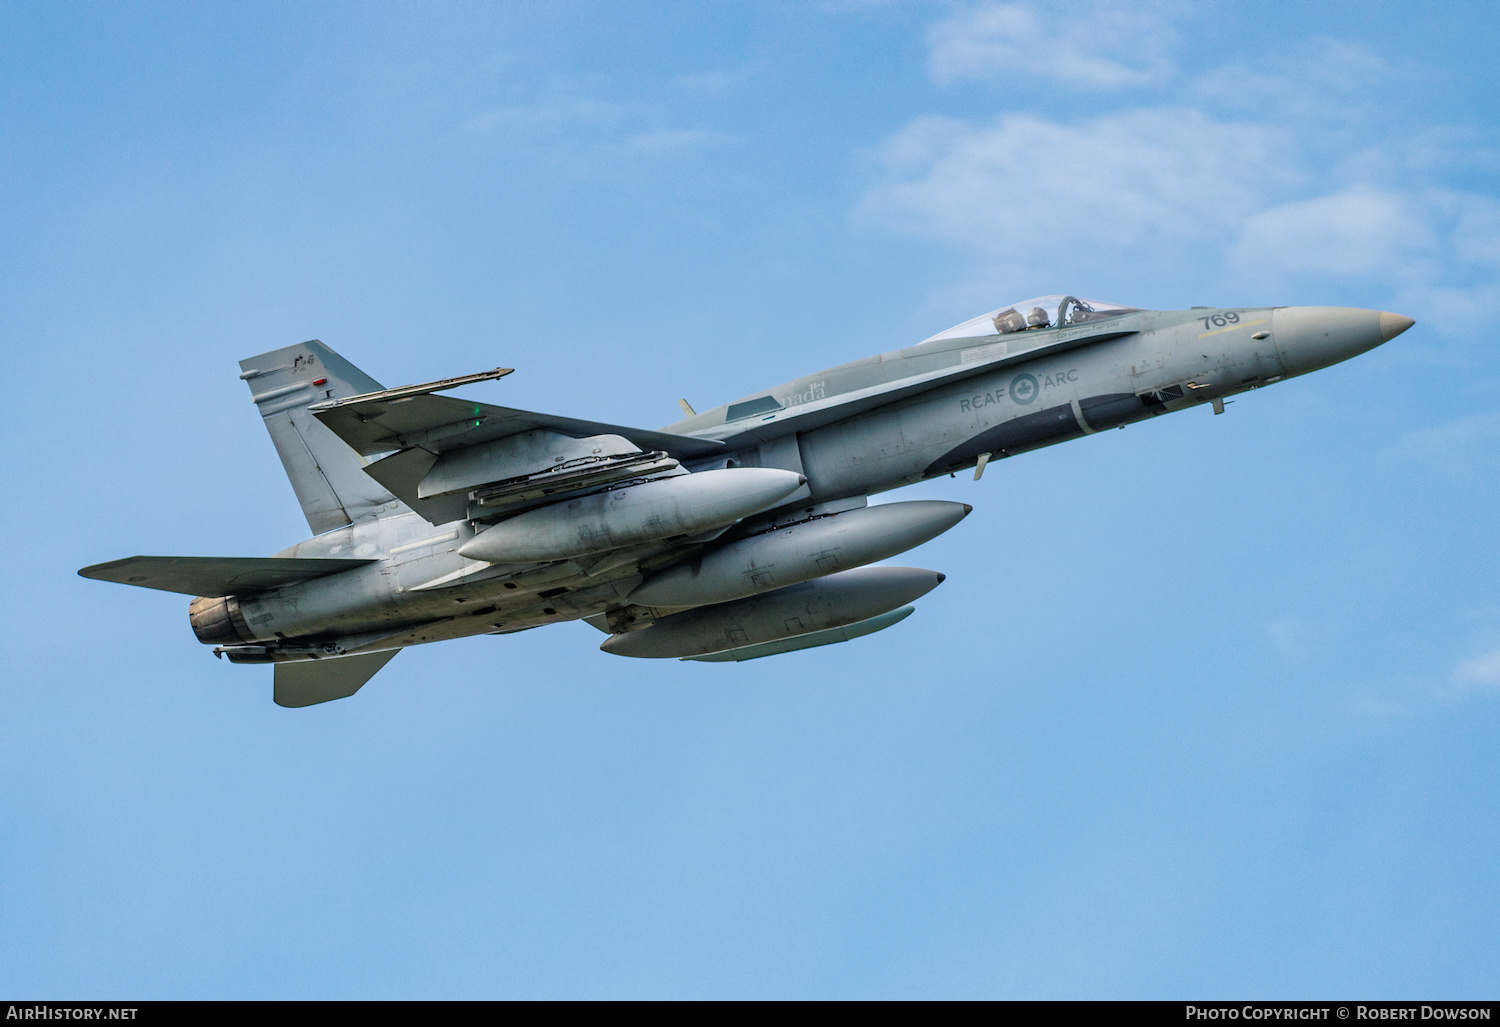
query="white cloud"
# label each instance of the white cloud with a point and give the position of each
(1330, 81)
(1122, 187)
(1434, 252)
(1448, 148)
(1452, 310)
(1107, 46)
(1357, 231)
(1479, 674)
(1316, 186)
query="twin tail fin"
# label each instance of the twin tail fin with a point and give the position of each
(328, 477)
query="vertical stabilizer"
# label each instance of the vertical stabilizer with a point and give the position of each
(327, 475)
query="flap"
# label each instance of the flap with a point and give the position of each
(309, 682)
(215, 575)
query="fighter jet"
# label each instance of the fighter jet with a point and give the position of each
(742, 532)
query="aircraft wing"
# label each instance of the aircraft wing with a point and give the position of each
(414, 427)
(380, 422)
(215, 575)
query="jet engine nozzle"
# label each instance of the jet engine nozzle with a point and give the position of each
(217, 620)
(1308, 338)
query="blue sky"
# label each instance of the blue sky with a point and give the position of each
(1205, 708)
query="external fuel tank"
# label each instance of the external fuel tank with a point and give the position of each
(799, 552)
(686, 504)
(830, 602)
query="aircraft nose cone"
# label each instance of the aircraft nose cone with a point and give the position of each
(1392, 325)
(1308, 338)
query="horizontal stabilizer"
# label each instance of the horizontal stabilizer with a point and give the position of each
(309, 682)
(215, 575)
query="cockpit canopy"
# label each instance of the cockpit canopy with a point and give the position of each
(1041, 312)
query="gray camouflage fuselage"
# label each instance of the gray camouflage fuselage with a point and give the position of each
(854, 431)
